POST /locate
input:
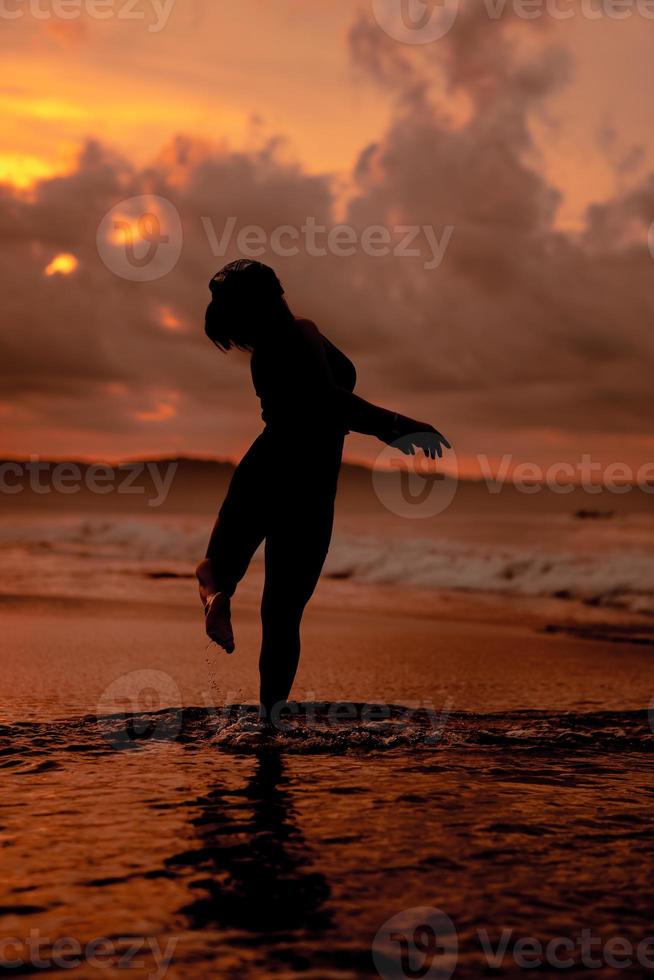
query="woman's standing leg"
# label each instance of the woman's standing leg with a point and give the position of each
(293, 567)
(297, 542)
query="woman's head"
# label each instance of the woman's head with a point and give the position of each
(243, 295)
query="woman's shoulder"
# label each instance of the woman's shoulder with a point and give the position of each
(306, 327)
(306, 333)
(308, 330)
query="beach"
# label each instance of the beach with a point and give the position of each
(414, 237)
(479, 753)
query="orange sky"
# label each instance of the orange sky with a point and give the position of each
(229, 76)
(216, 69)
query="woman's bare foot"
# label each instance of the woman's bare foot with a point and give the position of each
(217, 608)
(218, 618)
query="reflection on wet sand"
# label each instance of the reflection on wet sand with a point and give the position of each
(253, 860)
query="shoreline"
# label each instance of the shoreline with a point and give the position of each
(475, 653)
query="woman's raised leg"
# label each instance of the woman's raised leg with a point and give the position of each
(238, 532)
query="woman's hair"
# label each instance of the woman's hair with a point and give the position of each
(241, 293)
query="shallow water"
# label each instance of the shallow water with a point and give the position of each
(508, 785)
(284, 854)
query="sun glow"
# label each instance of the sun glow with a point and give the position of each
(124, 230)
(169, 319)
(62, 264)
(23, 171)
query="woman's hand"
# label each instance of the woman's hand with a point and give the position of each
(409, 435)
(430, 440)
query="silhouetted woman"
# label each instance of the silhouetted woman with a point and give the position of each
(283, 489)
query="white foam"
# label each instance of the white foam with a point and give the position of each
(613, 570)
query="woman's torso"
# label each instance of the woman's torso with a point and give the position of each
(284, 377)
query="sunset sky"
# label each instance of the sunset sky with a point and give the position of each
(531, 140)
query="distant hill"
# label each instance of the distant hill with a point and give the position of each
(198, 486)
(183, 484)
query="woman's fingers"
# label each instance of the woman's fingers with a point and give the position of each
(426, 438)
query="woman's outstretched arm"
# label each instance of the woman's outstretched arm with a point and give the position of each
(358, 414)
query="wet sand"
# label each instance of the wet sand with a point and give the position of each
(515, 793)
(379, 644)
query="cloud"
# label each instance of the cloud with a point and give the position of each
(523, 329)
(523, 326)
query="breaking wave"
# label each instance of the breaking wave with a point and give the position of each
(615, 573)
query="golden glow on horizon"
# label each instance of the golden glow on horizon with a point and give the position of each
(130, 112)
(45, 109)
(63, 264)
(23, 171)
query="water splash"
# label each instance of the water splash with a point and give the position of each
(332, 729)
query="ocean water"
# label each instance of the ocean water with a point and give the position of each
(464, 788)
(609, 562)
(231, 857)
